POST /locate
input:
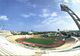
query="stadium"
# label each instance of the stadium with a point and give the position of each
(41, 43)
(11, 44)
(20, 44)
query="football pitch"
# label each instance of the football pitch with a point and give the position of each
(40, 41)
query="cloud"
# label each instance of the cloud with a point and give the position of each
(60, 22)
(32, 14)
(49, 20)
(28, 15)
(28, 3)
(25, 15)
(46, 13)
(72, 1)
(75, 1)
(45, 10)
(53, 14)
(4, 17)
(67, 1)
(34, 5)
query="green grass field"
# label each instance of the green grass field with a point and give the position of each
(39, 41)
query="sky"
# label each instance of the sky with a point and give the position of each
(37, 15)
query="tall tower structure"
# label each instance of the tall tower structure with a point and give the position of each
(71, 13)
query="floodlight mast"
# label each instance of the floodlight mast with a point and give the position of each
(71, 13)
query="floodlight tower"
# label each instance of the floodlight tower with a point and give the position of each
(71, 13)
